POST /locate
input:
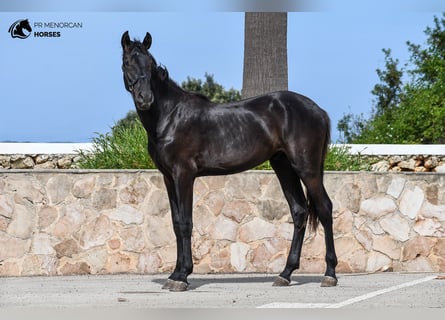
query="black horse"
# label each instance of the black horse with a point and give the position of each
(189, 136)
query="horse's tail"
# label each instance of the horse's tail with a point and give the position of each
(313, 217)
(327, 141)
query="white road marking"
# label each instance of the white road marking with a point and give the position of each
(290, 305)
(348, 301)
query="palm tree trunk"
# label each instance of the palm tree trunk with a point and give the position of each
(265, 53)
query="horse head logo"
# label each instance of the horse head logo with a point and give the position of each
(17, 29)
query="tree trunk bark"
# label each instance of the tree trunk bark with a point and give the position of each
(265, 53)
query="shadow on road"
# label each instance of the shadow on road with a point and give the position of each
(196, 283)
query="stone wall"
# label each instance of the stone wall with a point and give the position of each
(39, 161)
(99, 222)
(382, 163)
(397, 163)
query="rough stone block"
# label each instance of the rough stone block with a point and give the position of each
(411, 202)
(418, 246)
(408, 165)
(149, 262)
(58, 188)
(256, 229)
(133, 239)
(42, 244)
(433, 211)
(47, 216)
(378, 262)
(214, 202)
(429, 227)
(388, 246)
(349, 197)
(104, 198)
(5, 162)
(22, 224)
(22, 162)
(420, 264)
(67, 248)
(127, 214)
(6, 206)
(160, 232)
(158, 204)
(378, 207)
(223, 229)
(396, 187)
(78, 268)
(238, 256)
(96, 233)
(135, 191)
(121, 262)
(396, 226)
(84, 187)
(64, 162)
(220, 260)
(13, 247)
(237, 210)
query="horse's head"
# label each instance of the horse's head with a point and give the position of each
(24, 24)
(137, 69)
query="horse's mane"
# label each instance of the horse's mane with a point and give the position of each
(163, 75)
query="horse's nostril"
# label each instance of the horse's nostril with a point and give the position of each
(145, 97)
(140, 97)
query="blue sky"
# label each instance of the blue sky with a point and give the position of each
(67, 88)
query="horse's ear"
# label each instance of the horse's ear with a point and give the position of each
(147, 41)
(162, 73)
(125, 41)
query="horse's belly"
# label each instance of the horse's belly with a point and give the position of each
(235, 158)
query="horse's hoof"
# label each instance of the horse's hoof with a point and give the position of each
(280, 282)
(329, 281)
(175, 286)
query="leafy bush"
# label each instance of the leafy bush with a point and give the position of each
(410, 109)
(339, 159)
(124, 148)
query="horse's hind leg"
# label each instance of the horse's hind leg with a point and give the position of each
(290, 183)
(322, 205)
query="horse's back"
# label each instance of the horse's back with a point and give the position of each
(289, 109)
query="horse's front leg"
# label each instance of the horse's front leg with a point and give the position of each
(180, 193)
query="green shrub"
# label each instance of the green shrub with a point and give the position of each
(124, 148)
(339, 159)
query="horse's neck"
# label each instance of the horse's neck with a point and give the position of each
(167, 97)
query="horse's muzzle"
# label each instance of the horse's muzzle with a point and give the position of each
(144, 106)
(144, 101)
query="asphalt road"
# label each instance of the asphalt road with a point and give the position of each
(382, 290)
